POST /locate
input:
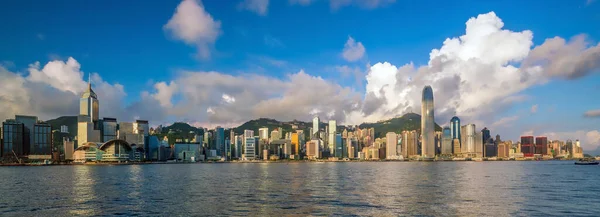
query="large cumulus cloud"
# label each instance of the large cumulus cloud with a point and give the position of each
(477, 75)
(54, 90)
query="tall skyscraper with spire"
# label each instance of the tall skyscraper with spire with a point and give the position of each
(87, 122)
(88, 104)
(427, 124)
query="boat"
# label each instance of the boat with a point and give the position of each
(586, 161)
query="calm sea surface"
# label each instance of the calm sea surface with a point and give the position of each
(301, 189)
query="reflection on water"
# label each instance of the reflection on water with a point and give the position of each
(83, 191)
(301, 189)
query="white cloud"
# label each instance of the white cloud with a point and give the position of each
(65, 76)
(366, 4)
(506, 121)
(193, 25)
(259, 7)
(164, 92)
(592, 113)
(471, 75)
(534, 109)
(54, 90)
(355, 72)
(570, 60)
(236, 99)
(228, 99)
(528, 133)
(353, 50)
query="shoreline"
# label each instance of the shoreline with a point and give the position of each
(268, 161)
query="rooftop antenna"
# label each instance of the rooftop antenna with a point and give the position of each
(89, 80)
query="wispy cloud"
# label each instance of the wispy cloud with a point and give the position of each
(506, 121)
(592, 113)
(259, 7)
(271, 41)
(534, 109)
(353, 50)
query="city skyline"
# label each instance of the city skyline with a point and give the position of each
(351, 83)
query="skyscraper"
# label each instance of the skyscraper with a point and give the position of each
(87, 130)
(263, 133)
(410, 140)
(541, 145)
(455, 130)
(331, 137)
(339, 146)
(446, 141)
(391, 142)
(220, 141)
(315, 127)
(427, 123)
(486, 135)
(527, 147)
(88, 104)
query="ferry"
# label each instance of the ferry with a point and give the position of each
(586, 161)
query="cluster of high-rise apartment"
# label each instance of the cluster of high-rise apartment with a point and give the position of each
(106, 140)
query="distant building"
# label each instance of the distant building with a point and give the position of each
(485, 133)
(391, 145)
(503, 149)
(339, 146)
(13, 138)
(313, 149)
(541, 145)
(470, 140)
(69, 147)
(332, 133)
(315, 127)
(456, 147)
(64, 129)
(446, 141)
(455, 128)
(250, 148)
(42, 140)
(110, 129)
(220, 142)
(263, 133)
(527, 147)
(478, 145)
(187, 152)
(410, 141)
(116, 150)
(275, 134)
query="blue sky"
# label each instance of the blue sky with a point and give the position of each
(259, 50)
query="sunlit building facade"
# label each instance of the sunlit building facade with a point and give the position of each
(391, 145)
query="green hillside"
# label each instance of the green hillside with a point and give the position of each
(69, 121)
(272, 124)
(409, 121)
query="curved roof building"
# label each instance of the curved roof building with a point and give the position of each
(116, 150)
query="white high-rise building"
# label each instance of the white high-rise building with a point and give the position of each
(468, 139)
(263, 133)
(331, 136)
(427, 124)
(315, 127)
(391, 145)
